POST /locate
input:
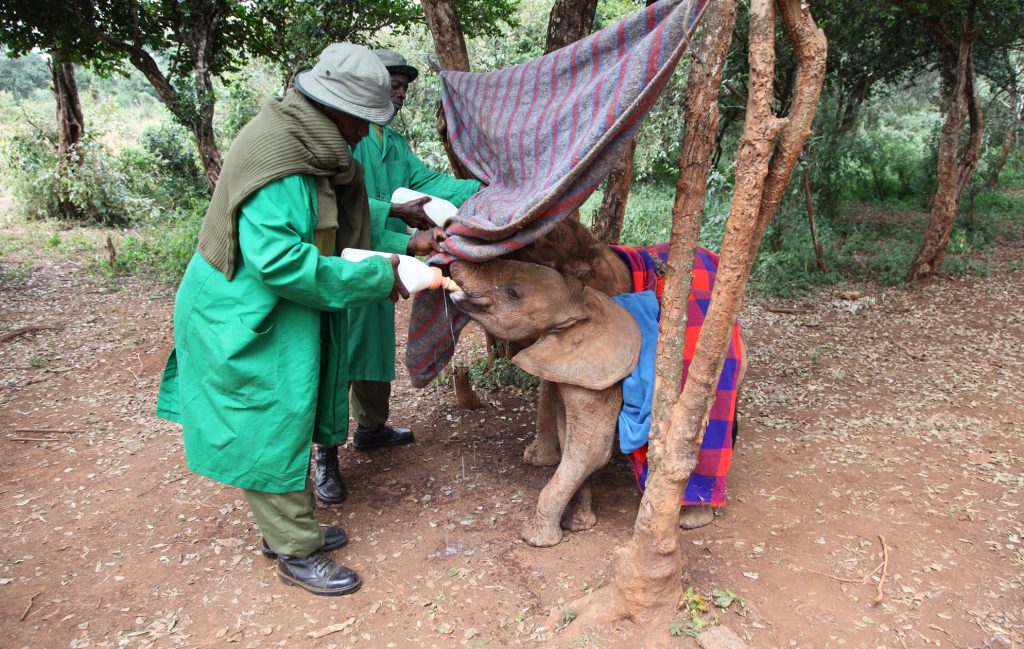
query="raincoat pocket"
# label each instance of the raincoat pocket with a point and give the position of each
(242, 365)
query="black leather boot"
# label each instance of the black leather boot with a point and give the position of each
(318, 574)
(330, 488)
(379, 436)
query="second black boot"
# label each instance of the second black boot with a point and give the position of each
(330, 488)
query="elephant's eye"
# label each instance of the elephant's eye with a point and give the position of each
(512, 293)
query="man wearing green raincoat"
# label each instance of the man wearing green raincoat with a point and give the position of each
(256, 347)
(389, 163)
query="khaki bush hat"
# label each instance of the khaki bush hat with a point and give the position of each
(351, 79)
(395, 62)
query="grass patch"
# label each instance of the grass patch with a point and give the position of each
(501, 373)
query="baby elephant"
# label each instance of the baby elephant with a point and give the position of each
(579, 340)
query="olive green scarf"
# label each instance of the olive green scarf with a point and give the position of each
(288, 136)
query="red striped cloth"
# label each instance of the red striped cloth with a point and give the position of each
(542, 136)
(707, 482)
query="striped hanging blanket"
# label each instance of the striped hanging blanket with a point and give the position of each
(707, 482)
(542, 136)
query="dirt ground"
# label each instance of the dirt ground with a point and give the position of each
(876, 497)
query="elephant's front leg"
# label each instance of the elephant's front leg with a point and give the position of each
(544, 449)
(579, 514)
(590, 420)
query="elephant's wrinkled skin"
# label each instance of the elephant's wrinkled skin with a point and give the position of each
(571, 249)
(582, 344)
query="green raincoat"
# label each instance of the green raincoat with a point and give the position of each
(389, 163)
(245, 375)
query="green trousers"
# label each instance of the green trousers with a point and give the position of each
(370, 402)
(286, 520)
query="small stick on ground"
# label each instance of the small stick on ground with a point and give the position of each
(393, 584)
(159, 484)
(32, 439)
(14, 333)
(885, 568)
(28, 608)
(46, 430)
(862, 580)
(916, 357)
(792, 310)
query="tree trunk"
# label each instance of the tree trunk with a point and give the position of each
(611, 215)
(819, 250)
(647, 585)
(70, 128)
(953, 174)
(568, 22)
(198, 119)
(450, 46)
(200, 43)
(1008, 139)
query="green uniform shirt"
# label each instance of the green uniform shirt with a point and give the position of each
(388, 164)
(245, 374)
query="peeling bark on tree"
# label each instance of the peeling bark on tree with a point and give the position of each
(568, 22)
(450, 46)
(953, 174)
(70, 128)
(647, 584)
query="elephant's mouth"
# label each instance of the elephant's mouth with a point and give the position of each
(469, 302)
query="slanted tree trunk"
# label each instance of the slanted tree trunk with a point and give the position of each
(953, 173)
(1004, 151)
(450, 46)
(70, 128)
(647, 584)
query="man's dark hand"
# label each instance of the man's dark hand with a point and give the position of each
(398, 290)
(412, 213)
(426, 242)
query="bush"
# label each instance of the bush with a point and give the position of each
(162, 249)
(166, 169)
(92, 182)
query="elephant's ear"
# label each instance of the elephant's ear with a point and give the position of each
(594, 351)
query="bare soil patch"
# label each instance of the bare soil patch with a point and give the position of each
(881, 437)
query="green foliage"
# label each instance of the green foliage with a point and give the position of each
(724, 598)
(21, 76)
(241, 95)
(697, 609)
(165, 169)
(501, 373)
(310, 25)
(91, 181)
(161, 249)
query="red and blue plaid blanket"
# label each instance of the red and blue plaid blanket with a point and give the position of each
(542, 136)
(707, 482)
